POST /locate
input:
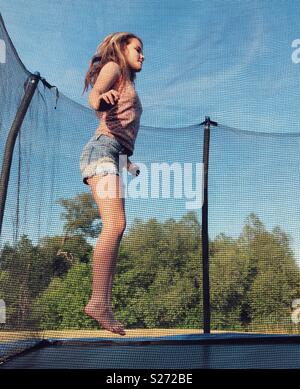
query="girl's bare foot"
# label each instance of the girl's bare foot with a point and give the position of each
(104, 316)
(112, 314)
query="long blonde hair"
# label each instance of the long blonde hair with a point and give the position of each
(110, 49)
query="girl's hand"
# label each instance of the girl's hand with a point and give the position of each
(133, 168)
(108, 99)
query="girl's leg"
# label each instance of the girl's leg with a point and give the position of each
(112, 275)
(112, 212)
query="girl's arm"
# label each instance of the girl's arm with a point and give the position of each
(107, 77)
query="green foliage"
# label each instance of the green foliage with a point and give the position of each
(229, 268)
(153, 289)
(268, 277)
(158, 283)
(61, 305)
(26, 271)
(81, 215)
(159, 276)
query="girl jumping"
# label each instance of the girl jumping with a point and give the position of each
(111, 75)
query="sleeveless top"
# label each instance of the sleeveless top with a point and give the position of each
(122, 121)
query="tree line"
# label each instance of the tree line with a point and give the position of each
(158, 284)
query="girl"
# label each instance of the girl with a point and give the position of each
(111, 75)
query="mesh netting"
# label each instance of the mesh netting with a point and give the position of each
(51, 223)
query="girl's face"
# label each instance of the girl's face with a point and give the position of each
(134, 55)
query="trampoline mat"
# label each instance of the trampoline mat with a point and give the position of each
(278, 352)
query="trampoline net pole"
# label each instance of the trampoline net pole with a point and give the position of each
(30, 87)
(205, 242)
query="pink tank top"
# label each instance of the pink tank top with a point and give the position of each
(122, 121)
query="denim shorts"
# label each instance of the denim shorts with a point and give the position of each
(100, 156)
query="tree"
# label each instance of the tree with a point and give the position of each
(273, 279)
(229, 266)
(61, 305)
(26, 271)
(161, 282)
(157, 282)
(81, 215)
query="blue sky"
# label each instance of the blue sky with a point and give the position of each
(227, 59)
(231, 60)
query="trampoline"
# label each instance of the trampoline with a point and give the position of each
(209, 278)
(195, 351)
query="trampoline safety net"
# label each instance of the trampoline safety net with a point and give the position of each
(51, 222)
